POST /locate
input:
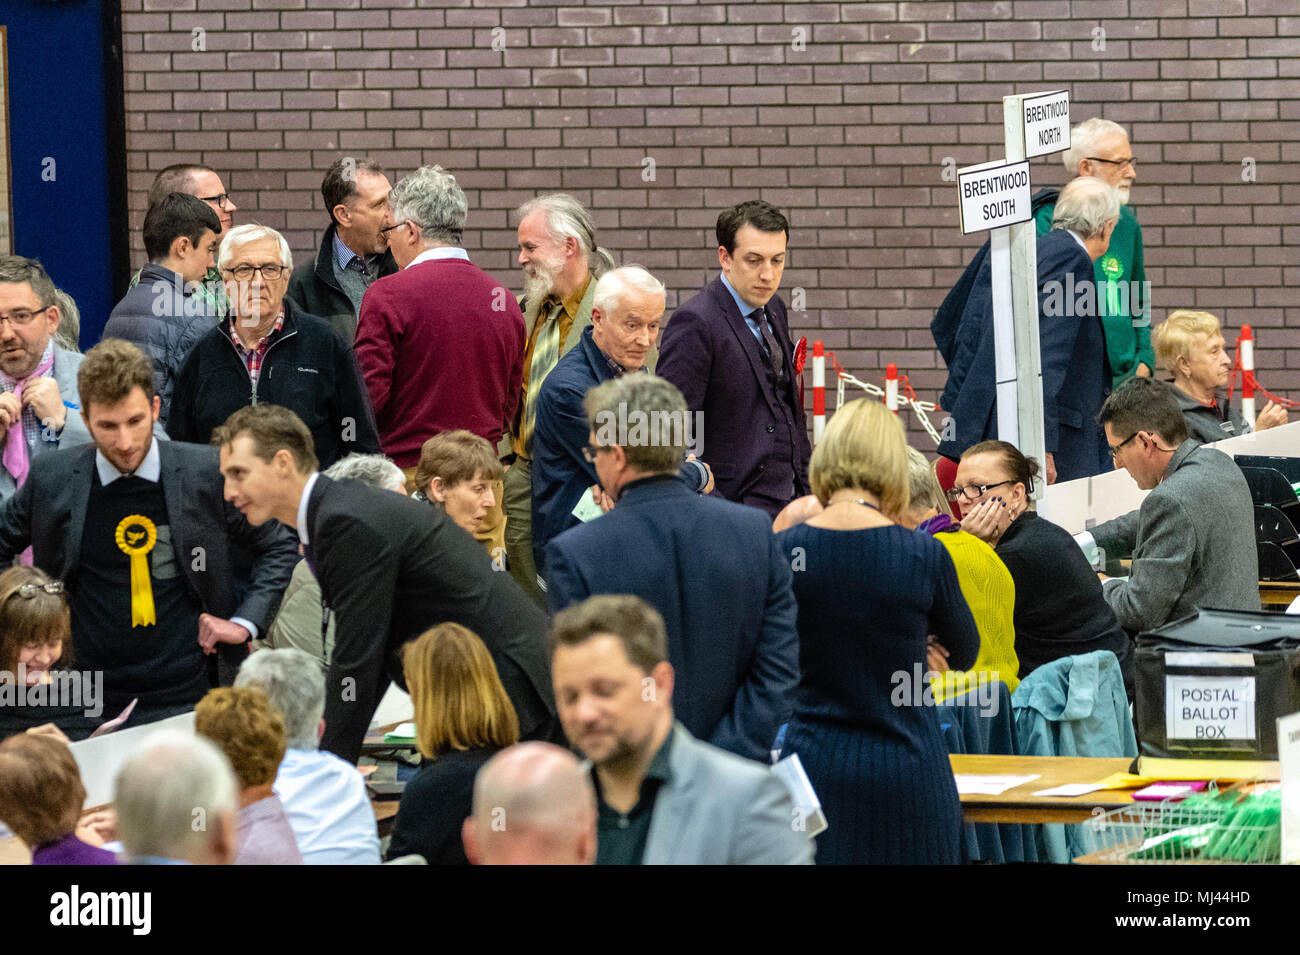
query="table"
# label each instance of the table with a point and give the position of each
(1278, 594)
(1019, 805)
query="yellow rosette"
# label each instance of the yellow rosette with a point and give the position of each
(136, 536)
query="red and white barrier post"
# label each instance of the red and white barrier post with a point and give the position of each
(891, 387)
(1248, 375)
(819, 391)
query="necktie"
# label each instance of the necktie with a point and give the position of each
(775, 359)
(358, 265)
(546, 353)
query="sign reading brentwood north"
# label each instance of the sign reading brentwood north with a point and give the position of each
(1047, 123)
(994, 196)
(1210, 707)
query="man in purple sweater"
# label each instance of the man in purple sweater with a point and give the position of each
(440, 342)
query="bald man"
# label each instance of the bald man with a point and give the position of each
(533, 805)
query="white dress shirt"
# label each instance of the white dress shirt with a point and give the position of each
(326, 802)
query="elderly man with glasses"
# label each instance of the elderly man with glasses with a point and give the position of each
(39, 377)
(270, 352)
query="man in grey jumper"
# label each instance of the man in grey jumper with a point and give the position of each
(1193, 540)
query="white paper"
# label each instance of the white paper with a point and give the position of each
(809, 808)
(1288, 752)
(1070, 789)
(971, 785)
(586, 509)
(404, 731)
(1209, 707)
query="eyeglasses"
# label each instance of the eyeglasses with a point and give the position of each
(1131, 161)
(222, 200)
(591, 450)
(31, 590)
(23, 319)
(1114, 452)
(972, 492)
(387, 229)
(269, 272)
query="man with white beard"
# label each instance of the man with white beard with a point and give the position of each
(560, 260)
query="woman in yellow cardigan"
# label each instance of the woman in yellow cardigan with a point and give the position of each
(984, 580)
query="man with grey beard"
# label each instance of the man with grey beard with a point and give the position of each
(560, 258)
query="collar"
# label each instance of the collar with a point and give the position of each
(279, 324)
(150, 468)
(441, 252)
(666, 479)
(660, 768)
(1074, 235)
(744, 307)
(1187, 403)
(1181, 454)
(302, 507)
(572, 304)
(343, 254)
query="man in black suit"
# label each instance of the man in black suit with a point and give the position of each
(728, 351)
(1076, 370)
(156, 564)
(710, 567)
(389, 568)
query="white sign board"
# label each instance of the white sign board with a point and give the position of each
(1047, 123)
(993, 196)
(1209, 707)
(1288, 752)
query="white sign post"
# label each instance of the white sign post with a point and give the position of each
(996, 196)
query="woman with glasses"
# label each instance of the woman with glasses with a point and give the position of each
(870, 592)
(34, 692)
(1059, 610)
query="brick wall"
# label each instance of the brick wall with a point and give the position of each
(841, 114)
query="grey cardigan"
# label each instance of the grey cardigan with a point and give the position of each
(1192, 543)
(721, 809)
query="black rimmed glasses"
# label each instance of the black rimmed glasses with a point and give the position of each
(1114, 452)
(590, 451)
(22, 318)
(972, 492)
(269, 272)
(1131, 161)
(388, 229)
(222, 200)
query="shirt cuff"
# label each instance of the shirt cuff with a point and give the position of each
(247, 625)
(695, 474)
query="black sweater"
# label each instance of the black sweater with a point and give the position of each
(434, 806)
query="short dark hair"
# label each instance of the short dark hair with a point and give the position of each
(272, 429)
(763, 216)
(19, 268)
(1144, 404)
(456, 456)
(41, 792)
(111, 371)
(340, 182)
(176, 214)
(638, 626)
(176, 178)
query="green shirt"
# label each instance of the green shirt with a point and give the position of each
(621, 837)
(1122, 291)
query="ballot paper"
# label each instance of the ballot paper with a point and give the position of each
(586, 509)
(1071, 789)
(971, 785)
(807, 807)
(1288, 751)
(404, 732)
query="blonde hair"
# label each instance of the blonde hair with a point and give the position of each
(923, 486)
(864, 448)
(1178, 334)
(241, 721)
(458, 697)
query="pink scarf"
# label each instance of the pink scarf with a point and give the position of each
(15, 457)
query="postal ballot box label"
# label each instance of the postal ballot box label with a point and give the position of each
(994, 197)
(1047, 123)
(1210, 707)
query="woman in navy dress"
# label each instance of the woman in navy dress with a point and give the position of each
(871, 593)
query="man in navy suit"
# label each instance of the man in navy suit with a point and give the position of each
(710, 567)
(1076, 371)
(728, 350)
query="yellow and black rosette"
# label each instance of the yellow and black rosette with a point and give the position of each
(136, 536)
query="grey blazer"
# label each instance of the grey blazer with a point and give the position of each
(66, 364)
(721, 809)
(1192, 543)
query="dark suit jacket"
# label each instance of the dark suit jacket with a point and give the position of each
(1076, 371)
(49, 513)
(713, 358)
(391, 568)
(712, 568)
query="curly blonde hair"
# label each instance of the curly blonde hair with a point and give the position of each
(242, 723)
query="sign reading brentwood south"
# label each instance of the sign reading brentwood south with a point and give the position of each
(1210, 707)
(1047, 123)
(993, 196)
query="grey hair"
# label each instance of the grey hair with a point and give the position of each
(244, 234)
(567, 218)
(19, 268)
(165, 786)
(611, 286)
(69, 334)
(644, 415)
(373, 469)
(1083, 141)
(923, 485)
(1085, 206)
(432, 199)
(539, 786)
(294, 684)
